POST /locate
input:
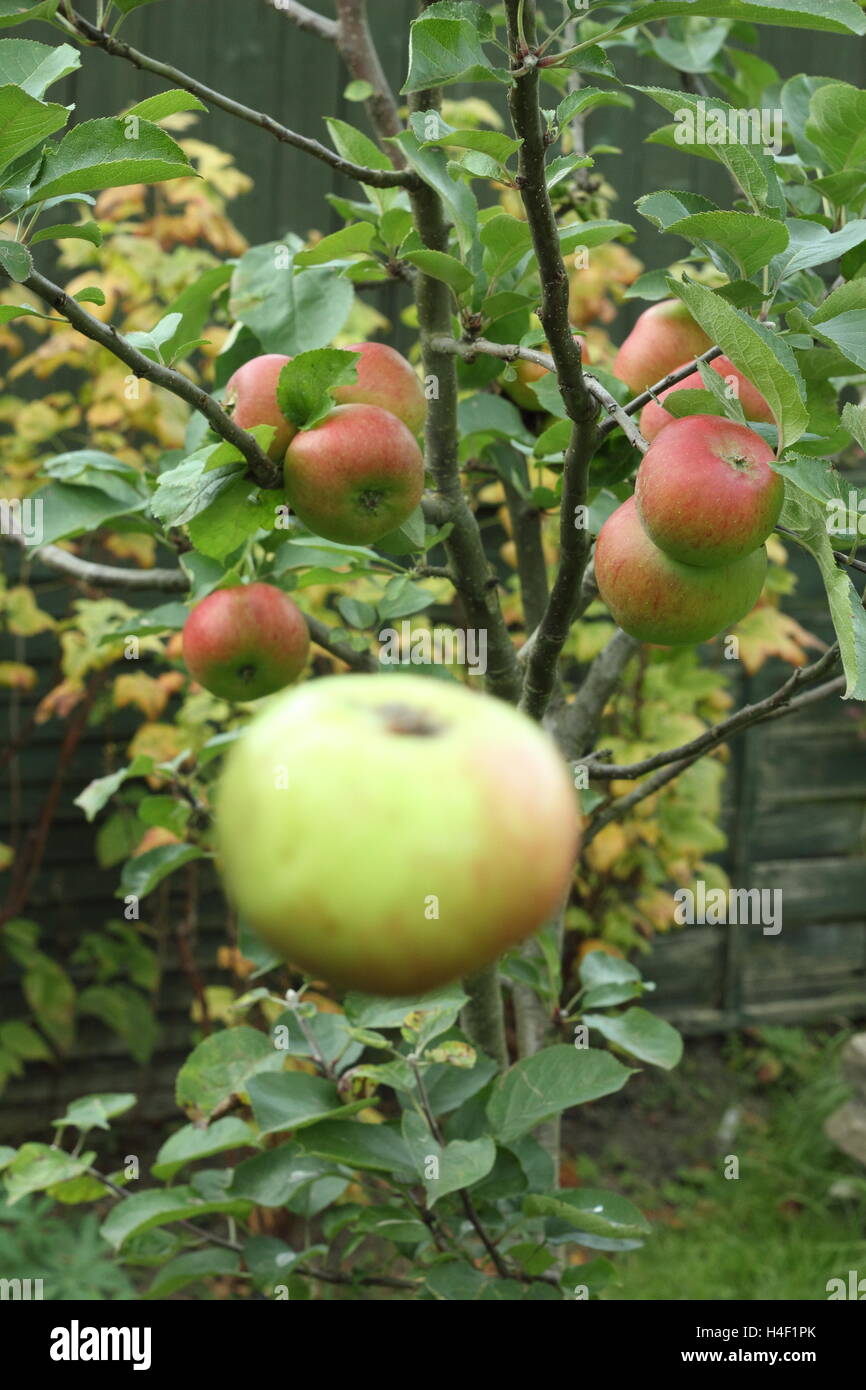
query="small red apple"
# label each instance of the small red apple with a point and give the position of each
(657, 599)
(664, 337)
(705, 491)
(654, 417)
(385, 379)
(246, 642)
(355, 476)
(251, 398)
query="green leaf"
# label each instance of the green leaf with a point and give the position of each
(191, 1144)
(69, 231)
(808, 519)
(22, 11)
(347, 241)
(127, 1012)
(99, 792)
(37, 1166)
(164, 104)
(71, 511)
(462, 1163)
(747, 161)
(100, 154)
(141, 875)
(191, 1268)
(443, 49)
(237, 511)
(358, 1145)
(15, 259)
(25, 122)
(835, 125)
(305, 384)
(752, 241)
(144, 1210)
(554, 1080)
(222, 1065)
(833, 16)
(642, 1034)
(443, 267)
(289, 313)
(432, 166)
(24, 1042)
(94, 1112)
(495, 143)
(759, 354)
(591, 234)
(664, 208)
(165, 812)
(811, 245)
(292, 1100)
(51, 996)
(35, 66)
(596, 1213)
(275, 1177)
(586, 99)
(402, 598)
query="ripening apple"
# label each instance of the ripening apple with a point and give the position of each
(355, 476)
(251, 399)
(657, 599)
(391, 833)
(654, 417)
(246, 642)
(705, 491)
(664, 337)
(386, 379)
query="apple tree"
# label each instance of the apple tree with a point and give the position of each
(428, 1127)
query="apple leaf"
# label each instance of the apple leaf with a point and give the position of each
(596, 1213)
(834, 16)
(25, 121)
(586, 99)
(35, 66)
(273, 1178)
(807, 517)
(761, 355)
(164, 104)
(143, 1210)
(102, 154)
(192, 1143)
(663, 209)
(100, 791)
(222, 1065)
(554, 1080)
(141, 875)
(289, 312)
(752, 241)
(305, 384)
(292, 1100)
(15, 260)
(37, 1166)
(194, 1266)
(94, 1112)
(642, 1034)
(445, 47)
(358, 1145)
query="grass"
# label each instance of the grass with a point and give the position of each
(795, 1216)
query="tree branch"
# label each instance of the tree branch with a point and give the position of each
(638, 402)
(469, 348)
(172, 582)
(305, 18)
(374, 178)
(578, 722)
(265, 472)
(356, 48)
(580, 404)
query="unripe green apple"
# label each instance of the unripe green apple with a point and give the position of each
(657, 599)
(705, 491)
(245, 642)
(654, 417)
(664, 337)
(251, 399)
(356, 476)
(385, 379)
(392, 833)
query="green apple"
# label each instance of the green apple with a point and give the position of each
(391, 833)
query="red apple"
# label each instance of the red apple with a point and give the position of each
(705, 491)
(654, 417)
(246, 642)
(657, 599)
(385, 379)
(355, 476)
(664, 337)
(251, 399)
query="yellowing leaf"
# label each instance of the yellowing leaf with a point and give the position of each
(766, 632)
(141, 690)
(14, 675)
(23, 616)
(608, 845)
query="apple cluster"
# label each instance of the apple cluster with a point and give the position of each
(354, 476)
(684, 557)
